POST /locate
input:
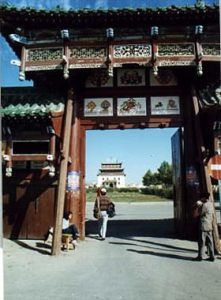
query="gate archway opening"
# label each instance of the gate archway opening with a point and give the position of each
(137, 151)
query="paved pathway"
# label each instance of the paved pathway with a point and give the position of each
(141, 259)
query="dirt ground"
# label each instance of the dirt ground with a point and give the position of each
(141, 259)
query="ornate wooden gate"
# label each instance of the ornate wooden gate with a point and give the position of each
(102, 72)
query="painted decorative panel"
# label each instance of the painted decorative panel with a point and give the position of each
(39, 54)
(165, 105)
(131, 77)
(43, 67)
(131, 106)
(96, 107)
(99, 79)
(211, 49)
(176, 49)
(88, 52)
(165, 77)
(132, 50)
(176, 63)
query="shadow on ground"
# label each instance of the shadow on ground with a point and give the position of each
(124, 228)
(40, 247)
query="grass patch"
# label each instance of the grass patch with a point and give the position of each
(125, 196)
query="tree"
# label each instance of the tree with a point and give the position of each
(164, 174)
(149, 178)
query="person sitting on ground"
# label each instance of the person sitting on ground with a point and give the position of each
(67, 227)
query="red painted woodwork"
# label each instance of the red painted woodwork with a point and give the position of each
(28, 209)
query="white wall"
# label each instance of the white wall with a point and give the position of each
(119, 179)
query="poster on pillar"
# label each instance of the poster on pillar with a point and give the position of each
(73, 181)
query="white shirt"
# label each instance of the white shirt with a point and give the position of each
(65, 223)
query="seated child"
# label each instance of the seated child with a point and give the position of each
(67, 227)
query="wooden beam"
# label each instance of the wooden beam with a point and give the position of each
(204, 170)
(56, 244)
(74, 166)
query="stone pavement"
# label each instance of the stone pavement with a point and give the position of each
(140, 259)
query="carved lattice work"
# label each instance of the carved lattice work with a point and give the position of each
(88, 52)
(122, 51)
(211, 49)
(44, 54)
(176, 49)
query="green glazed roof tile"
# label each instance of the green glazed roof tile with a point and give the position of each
(26, 102)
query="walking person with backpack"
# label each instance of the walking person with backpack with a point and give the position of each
(101, 206)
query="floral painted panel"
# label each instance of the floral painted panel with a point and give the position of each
(166, 105)
(165, 77)
(131, 77)
(96, 107)
(131, 106)
(99, 79)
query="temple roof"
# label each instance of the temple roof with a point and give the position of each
(27, 21)
(27, 102)
(29, 18)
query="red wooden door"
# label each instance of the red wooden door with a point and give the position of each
(40, 212)
(28, 210)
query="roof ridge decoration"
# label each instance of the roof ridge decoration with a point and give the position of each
(29, 17)
(200, 3)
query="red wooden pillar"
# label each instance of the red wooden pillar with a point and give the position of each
(56, 245)
(74, 170)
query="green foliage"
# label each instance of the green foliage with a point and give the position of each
(128, 190)
(113, 190)
(166, 192)
(129, 195)
(149, 178)
(163, 176)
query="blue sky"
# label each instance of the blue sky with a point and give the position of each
(67, 4)
(138, 150)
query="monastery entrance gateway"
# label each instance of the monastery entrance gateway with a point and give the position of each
(102, 73)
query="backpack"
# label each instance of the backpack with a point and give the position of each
(111, 210)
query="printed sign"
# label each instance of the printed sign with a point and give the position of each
(214, 166)
(191, 176)
(73, 181)
(168, 105)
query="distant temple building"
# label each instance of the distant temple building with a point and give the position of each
(111, 174)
